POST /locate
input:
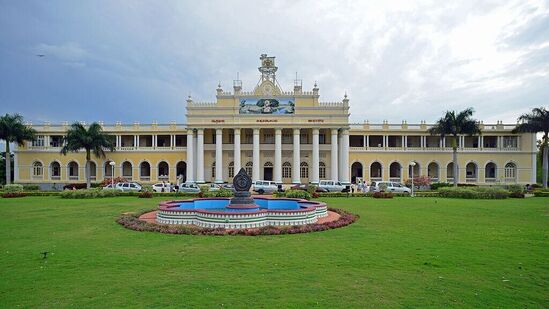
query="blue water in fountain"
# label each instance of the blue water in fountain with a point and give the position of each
(221, 204)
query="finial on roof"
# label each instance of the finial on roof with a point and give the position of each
(315, 84)
(345, 96)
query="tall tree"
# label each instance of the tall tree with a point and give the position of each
(12, 130)
(454, 124)
(92, 140)
(535, 122)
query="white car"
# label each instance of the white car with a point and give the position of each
(389, 186)
(332, 186)
(189, 188)
(128, 186)
(214, 187)
(264, 186)
(162, 187)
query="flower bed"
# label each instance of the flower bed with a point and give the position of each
(132, 221)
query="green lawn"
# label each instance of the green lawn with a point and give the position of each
(405, 252)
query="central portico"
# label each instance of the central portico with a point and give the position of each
(283, 136)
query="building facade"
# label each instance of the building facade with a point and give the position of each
(284, 136)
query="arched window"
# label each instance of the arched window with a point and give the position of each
(395, 171)
(213, 170)
(321, 170)
(107, 171)
(450, 172)
(37, 170)
(93, 170)
(432, 171)
(471, 172)
(376, 171)
(417, 170)
(145, 171)
(55, 170)
(163, 171)
(127, 170)
(304, 170)
(490, 172)
(249, 168)
(286, 170)
(73, 170)
(510, 171)
(231, 170)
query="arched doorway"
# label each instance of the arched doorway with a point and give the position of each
(395, 172)
(163, 171)
(181, 171)
(490, 172)
(268, 171)
(93, 171)
(376, 172)
(417, 170)
(356, 172)
(450, 172)
(432, 171)
(127, 170)
(145, 171)
(471, 171)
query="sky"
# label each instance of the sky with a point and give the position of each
(396, 60)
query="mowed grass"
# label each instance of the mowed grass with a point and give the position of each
(405, 252)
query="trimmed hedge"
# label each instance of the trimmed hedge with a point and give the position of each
(132, 222)
(31, 187)
(14, 187)
(474, 193)
(89, 193)
(541, 193)
(426, 194)
(294, 194)
(13, 194)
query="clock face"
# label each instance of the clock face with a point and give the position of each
(267, 63)
(268, 89)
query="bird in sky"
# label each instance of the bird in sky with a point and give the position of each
(40, 55)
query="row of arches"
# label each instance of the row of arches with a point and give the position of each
(126, 169)
(433, 171)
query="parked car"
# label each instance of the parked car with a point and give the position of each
(332, 186)
(264, 186)
(305, 187)
(214, 187)
(128, 186)
(109, 186)
(189, 188)
(389, 186)
(228, 186)
(162, 187)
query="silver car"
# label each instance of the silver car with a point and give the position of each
(128, 186)
(264, 186)
(189, 188)
(389, 186)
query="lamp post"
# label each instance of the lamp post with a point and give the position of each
(412, 164)
(112, 174)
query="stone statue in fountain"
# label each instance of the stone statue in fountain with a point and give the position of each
(242, 197)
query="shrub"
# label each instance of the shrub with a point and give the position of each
(515, 188)
(516, 195)
(76, 186)
(474, 193)
(89, 193)
(13, 194)
(383, 195)
(145, 194)
(298, 194)
(15, 187)
(420, 181)
(31, 187)
(436, 185)
(426, 194)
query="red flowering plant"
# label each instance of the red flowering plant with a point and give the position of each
(108, 181)
(419, 182)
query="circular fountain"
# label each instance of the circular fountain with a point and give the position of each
(241, 211)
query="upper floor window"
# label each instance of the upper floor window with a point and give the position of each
(322, 138)
(510, 142)
(38, 141)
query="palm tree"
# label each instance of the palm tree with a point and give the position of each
(92, 140)
(454, 124)
(537, 121)
(12, 130)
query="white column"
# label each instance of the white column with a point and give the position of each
(345, 157)
(190, 155)
(534, 160)
(236, 151)
(255, 169)
(278, 156)
(297, 158)
(137, 141)
(403, 141)
(334, 156)
(339, 156)
(219, 156)
(200, 156)
(117, 141)
(316, 158)
(367, 141)
(16, 163)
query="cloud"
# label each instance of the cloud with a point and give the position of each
(396, 59)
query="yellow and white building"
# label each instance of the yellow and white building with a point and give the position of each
(284, 136)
